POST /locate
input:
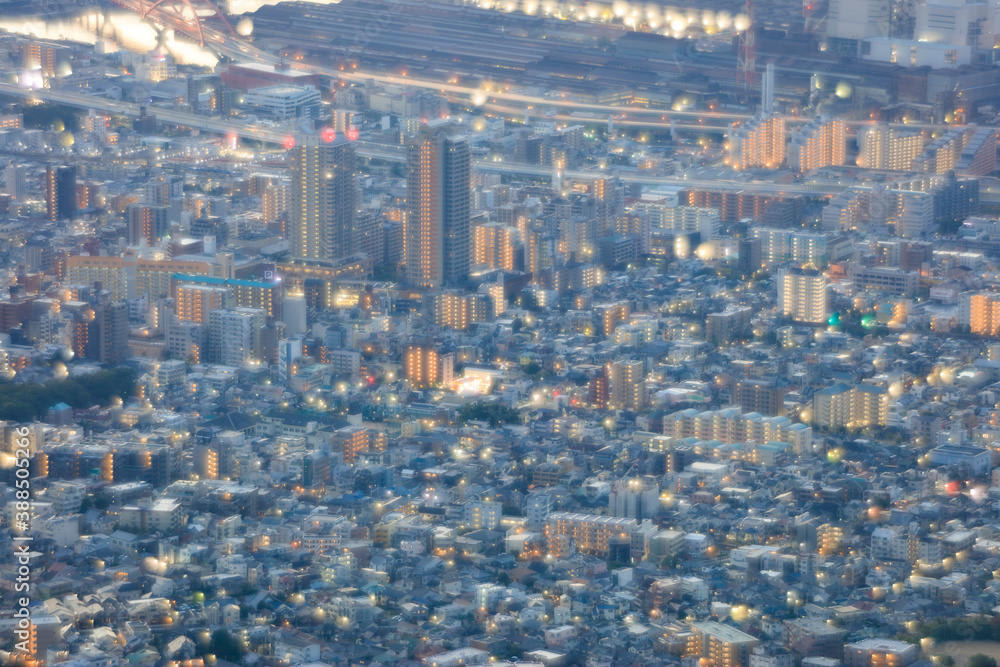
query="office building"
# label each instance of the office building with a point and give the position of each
(60, 193)
(282, 102)
(436, 240)
(887, 279)
(425, 366)
(974, 460)
(803, 295)
(722, 645)
(323, 203)
(882, 147)
(822, 142)
(111, 319)
(234, 336)
(628, 386)
(759, 142)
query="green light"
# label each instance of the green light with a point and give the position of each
(834, 319)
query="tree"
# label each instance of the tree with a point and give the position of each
(981, 660)
(225, 646)
(494, 413)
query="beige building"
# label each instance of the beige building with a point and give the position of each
(628, 386)
(760, 142)
(844, 406)
(881, 147)
(820, 143)
(803, 295)
(722, 645)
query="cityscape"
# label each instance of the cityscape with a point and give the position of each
(523, 333)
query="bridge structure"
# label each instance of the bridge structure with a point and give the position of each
(188, 16)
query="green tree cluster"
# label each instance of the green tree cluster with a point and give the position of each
(28, 401)
(494, 413)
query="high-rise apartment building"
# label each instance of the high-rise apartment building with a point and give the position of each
(721, 645)
(635, 498)
(822, 142)
(980, 311)
(803, 295)
(111, 318)
(732, 425)
(147, 223)
(439, 193)
(234, 335)
(193, 303)
(60, 193)
(424, 366)
(592, 534)
(761, 396)
(628, 386)
(681, 219)
(970, 150)
(750, 256)
(881, 147)
(17, 182)
(275, 201)
(760, 142)
(844, 406)
(457, 311)
(778, 246)
(494, 246)
(323, 199)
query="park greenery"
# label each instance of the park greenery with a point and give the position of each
(28, 401)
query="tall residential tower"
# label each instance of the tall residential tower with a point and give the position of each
(438, 200)
(324, 199)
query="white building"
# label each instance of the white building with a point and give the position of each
(803, 295)
(283, 101)
(913, 53)
(234, 335)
